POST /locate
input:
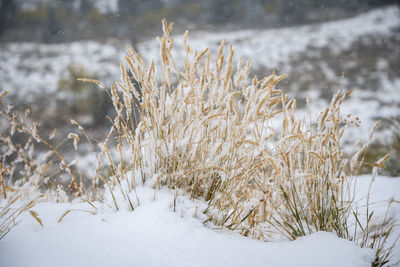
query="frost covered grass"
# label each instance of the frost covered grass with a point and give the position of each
(211, 132)
(12, 209)
(235, 142)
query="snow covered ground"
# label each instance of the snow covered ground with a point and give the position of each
(154, 235)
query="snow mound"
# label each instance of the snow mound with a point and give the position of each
(155, 235)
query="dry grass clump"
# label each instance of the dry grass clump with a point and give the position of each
(27, 177)
(13, 208)
(234, 141)
(202, 128)
(17, 160)
(22, 168)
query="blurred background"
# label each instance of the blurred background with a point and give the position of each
(55, 21)
(323, 45)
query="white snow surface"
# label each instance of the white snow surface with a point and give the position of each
(156, 235)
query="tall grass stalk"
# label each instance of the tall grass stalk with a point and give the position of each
(235, 141)
(210, 129)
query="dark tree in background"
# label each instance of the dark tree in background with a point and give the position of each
(137, 7)
(85, 7)
(52, 28)
(67, 5)
(146, 6)
(222, 11)
(134, 16)
(8, 14)
(253, 11)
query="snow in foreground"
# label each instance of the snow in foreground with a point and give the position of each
(155, 235)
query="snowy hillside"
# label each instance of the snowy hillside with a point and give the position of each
(314, 56)
(42, 65)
